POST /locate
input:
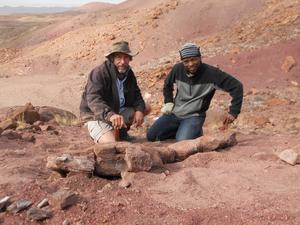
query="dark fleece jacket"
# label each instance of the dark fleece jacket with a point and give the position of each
(100, 99)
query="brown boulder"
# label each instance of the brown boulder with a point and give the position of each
(4, 202)
(186, 148)
(8, 124)
(68, 163)
(48, 113)
(63, 199)
(137, 160)
(19, 206)
(11, 134)
(28, 137)
(155, 157)
(25, 113)
(127, 179)
(39, 214)
(167, 155)
(108, 161)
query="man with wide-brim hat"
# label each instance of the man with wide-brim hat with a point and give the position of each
(121, 47)
(112, 101)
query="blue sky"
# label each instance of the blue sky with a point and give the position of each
(38, 3)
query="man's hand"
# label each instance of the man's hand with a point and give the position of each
(227, 120)
(138, 119)
(117, 121)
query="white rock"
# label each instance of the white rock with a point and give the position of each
(289, 156)
(43, 203)
(4, 202)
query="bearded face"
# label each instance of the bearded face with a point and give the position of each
(121, 61)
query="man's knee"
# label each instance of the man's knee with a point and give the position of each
(100, 131)
(188, 135)
(108, 137)
(151, 136)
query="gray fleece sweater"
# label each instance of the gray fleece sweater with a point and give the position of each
(194, 94)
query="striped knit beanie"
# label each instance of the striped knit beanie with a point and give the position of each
(189, 50)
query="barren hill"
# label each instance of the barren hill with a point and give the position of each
(70, 45)
(156, 28)
(93, 6)
(45, 60)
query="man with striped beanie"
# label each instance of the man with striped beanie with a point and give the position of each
(196, 82)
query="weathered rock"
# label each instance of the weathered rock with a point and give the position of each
(167, 155)
(105, 148)
(47, 127)
(48, 113)
(11, 134)
(186, 148)
(137, 160)
(43, 203)
(69, 163)
(28, 137)
(127, 179)
(8, 124)
(39, 214)
(106, 187)
(19, 206)
(155, 157)
(288, 64)
(295, 83)
(54, 132)
(38, 123)
(122, 146)
(289, 156)
(219, 141)
(110, 166)
(63, 199)
(66, 222)
(108, 161)
(111, 160)
(4, 202)
(35, 128)
(25, 113)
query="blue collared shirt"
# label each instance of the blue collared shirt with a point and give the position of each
(120, 86)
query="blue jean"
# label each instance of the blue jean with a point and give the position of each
(170, 127)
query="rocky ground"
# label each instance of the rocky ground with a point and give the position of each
(244, 184)
(254, 181)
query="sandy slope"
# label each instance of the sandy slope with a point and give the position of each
(155, 29)
(62, 92)
(245, 184)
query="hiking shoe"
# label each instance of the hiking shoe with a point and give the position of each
(124, 136)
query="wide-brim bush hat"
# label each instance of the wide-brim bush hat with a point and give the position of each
(121, 47)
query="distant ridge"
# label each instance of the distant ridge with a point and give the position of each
(93, 6)
(8, 10)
